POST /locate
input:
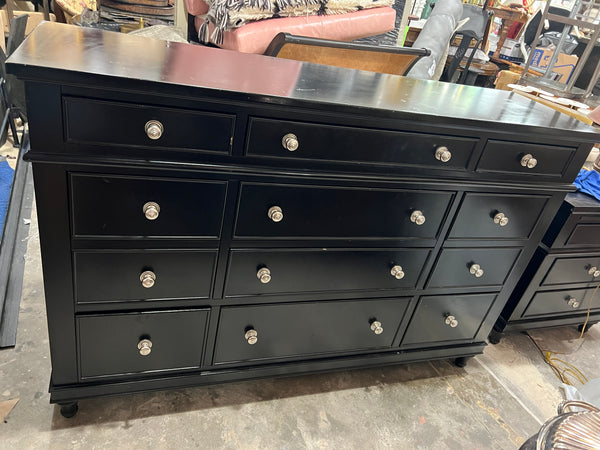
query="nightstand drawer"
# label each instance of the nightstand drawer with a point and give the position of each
(566, 301)
(123, 124)
(288, 271)
(310, 141)
(447, 318)
(585, 269)
(497, 216)
(120, 344)
(112, 206)
(473, 267)
(115, 276)
(339, 213)
(251, 333)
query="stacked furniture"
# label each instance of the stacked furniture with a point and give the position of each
(202, 222)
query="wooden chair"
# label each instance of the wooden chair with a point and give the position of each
(382, 59)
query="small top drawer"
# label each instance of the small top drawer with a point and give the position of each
(287, 139)
(528, 159)
(104, 122)
(585, 269)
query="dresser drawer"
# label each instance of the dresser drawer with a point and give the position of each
(584, 234)
(497, 216)
(447, 318)
(115, 276)
(353, 144)
(573, 270)
(304, 329)
(105, 122)
(530, 159)
(566, 301)
(473, 267)
(113, 206)
(339, 213)
(112, 344)
(320, 270)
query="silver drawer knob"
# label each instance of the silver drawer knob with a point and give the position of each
(275, 214)
(154, 129)
(145, 347)
(528, 161)
(451, 321)
(476, 270)
(148, 278)
(443, 154)
(264, 275)
(290, 142)
(151, 210)
(397, 272)
(417, 217)
(573, 302)
(251, 337)
(376, 327)
(594, 272)
(501, 219)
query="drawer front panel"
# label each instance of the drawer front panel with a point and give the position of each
(566, 301)
(456, 267)
(428, 324)
(307, 328)
(573, 270)
(103, 122)
(353, 144)
(108, 344)
(338, 212)
(584, 234)
(482, 216)
(506, 156)
(114, 206)
(120, 276)
(319, 270)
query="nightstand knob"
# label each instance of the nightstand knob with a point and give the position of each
(290, 142)
(154, 129)
(594, 272)
(251, 336)
(476, 270)
(573, 302)
(451, 321)
(443, 154)
(275, 214)
(145, 347)
(151, 210)
(397, 272)
(376, 327)
(264, 275)
(528, 161)
(148, 278)
(417, 217)
(501, 219)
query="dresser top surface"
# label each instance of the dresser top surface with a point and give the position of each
(59, 53)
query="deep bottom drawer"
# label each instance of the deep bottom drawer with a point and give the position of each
(303, 329)
(112, 344)
(566, 301)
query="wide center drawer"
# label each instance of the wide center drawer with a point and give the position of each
(287, 271)
(114, 206)
(565, 301)
(329, 212)
(301, 329)
(585, 269)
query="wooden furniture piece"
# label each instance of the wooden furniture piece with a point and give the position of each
(374, 58)
(210, 216)
(508, 16)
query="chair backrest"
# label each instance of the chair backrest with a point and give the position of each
(374, 58)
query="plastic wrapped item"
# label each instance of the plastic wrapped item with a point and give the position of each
(589, 392)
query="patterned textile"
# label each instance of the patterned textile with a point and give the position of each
(74, 7)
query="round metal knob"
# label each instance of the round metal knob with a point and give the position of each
(451, 320)
(443, 154)
(290, 142)
(476, 270)
(376, 327)
(417, 217)
(275, 214)
(145, 347)
(397, 272)
(251, 337)
(501, 219)
(528, 161)
(151, 210)
(594, 272)
(148, 278)
(264, 275)
(573, 302)
(154, 129)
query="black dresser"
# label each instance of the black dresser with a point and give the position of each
(208, 216)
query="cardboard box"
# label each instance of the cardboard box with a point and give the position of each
(506, 77)
(564, 66)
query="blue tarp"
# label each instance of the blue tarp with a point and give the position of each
(6, 178)
(588, 181)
